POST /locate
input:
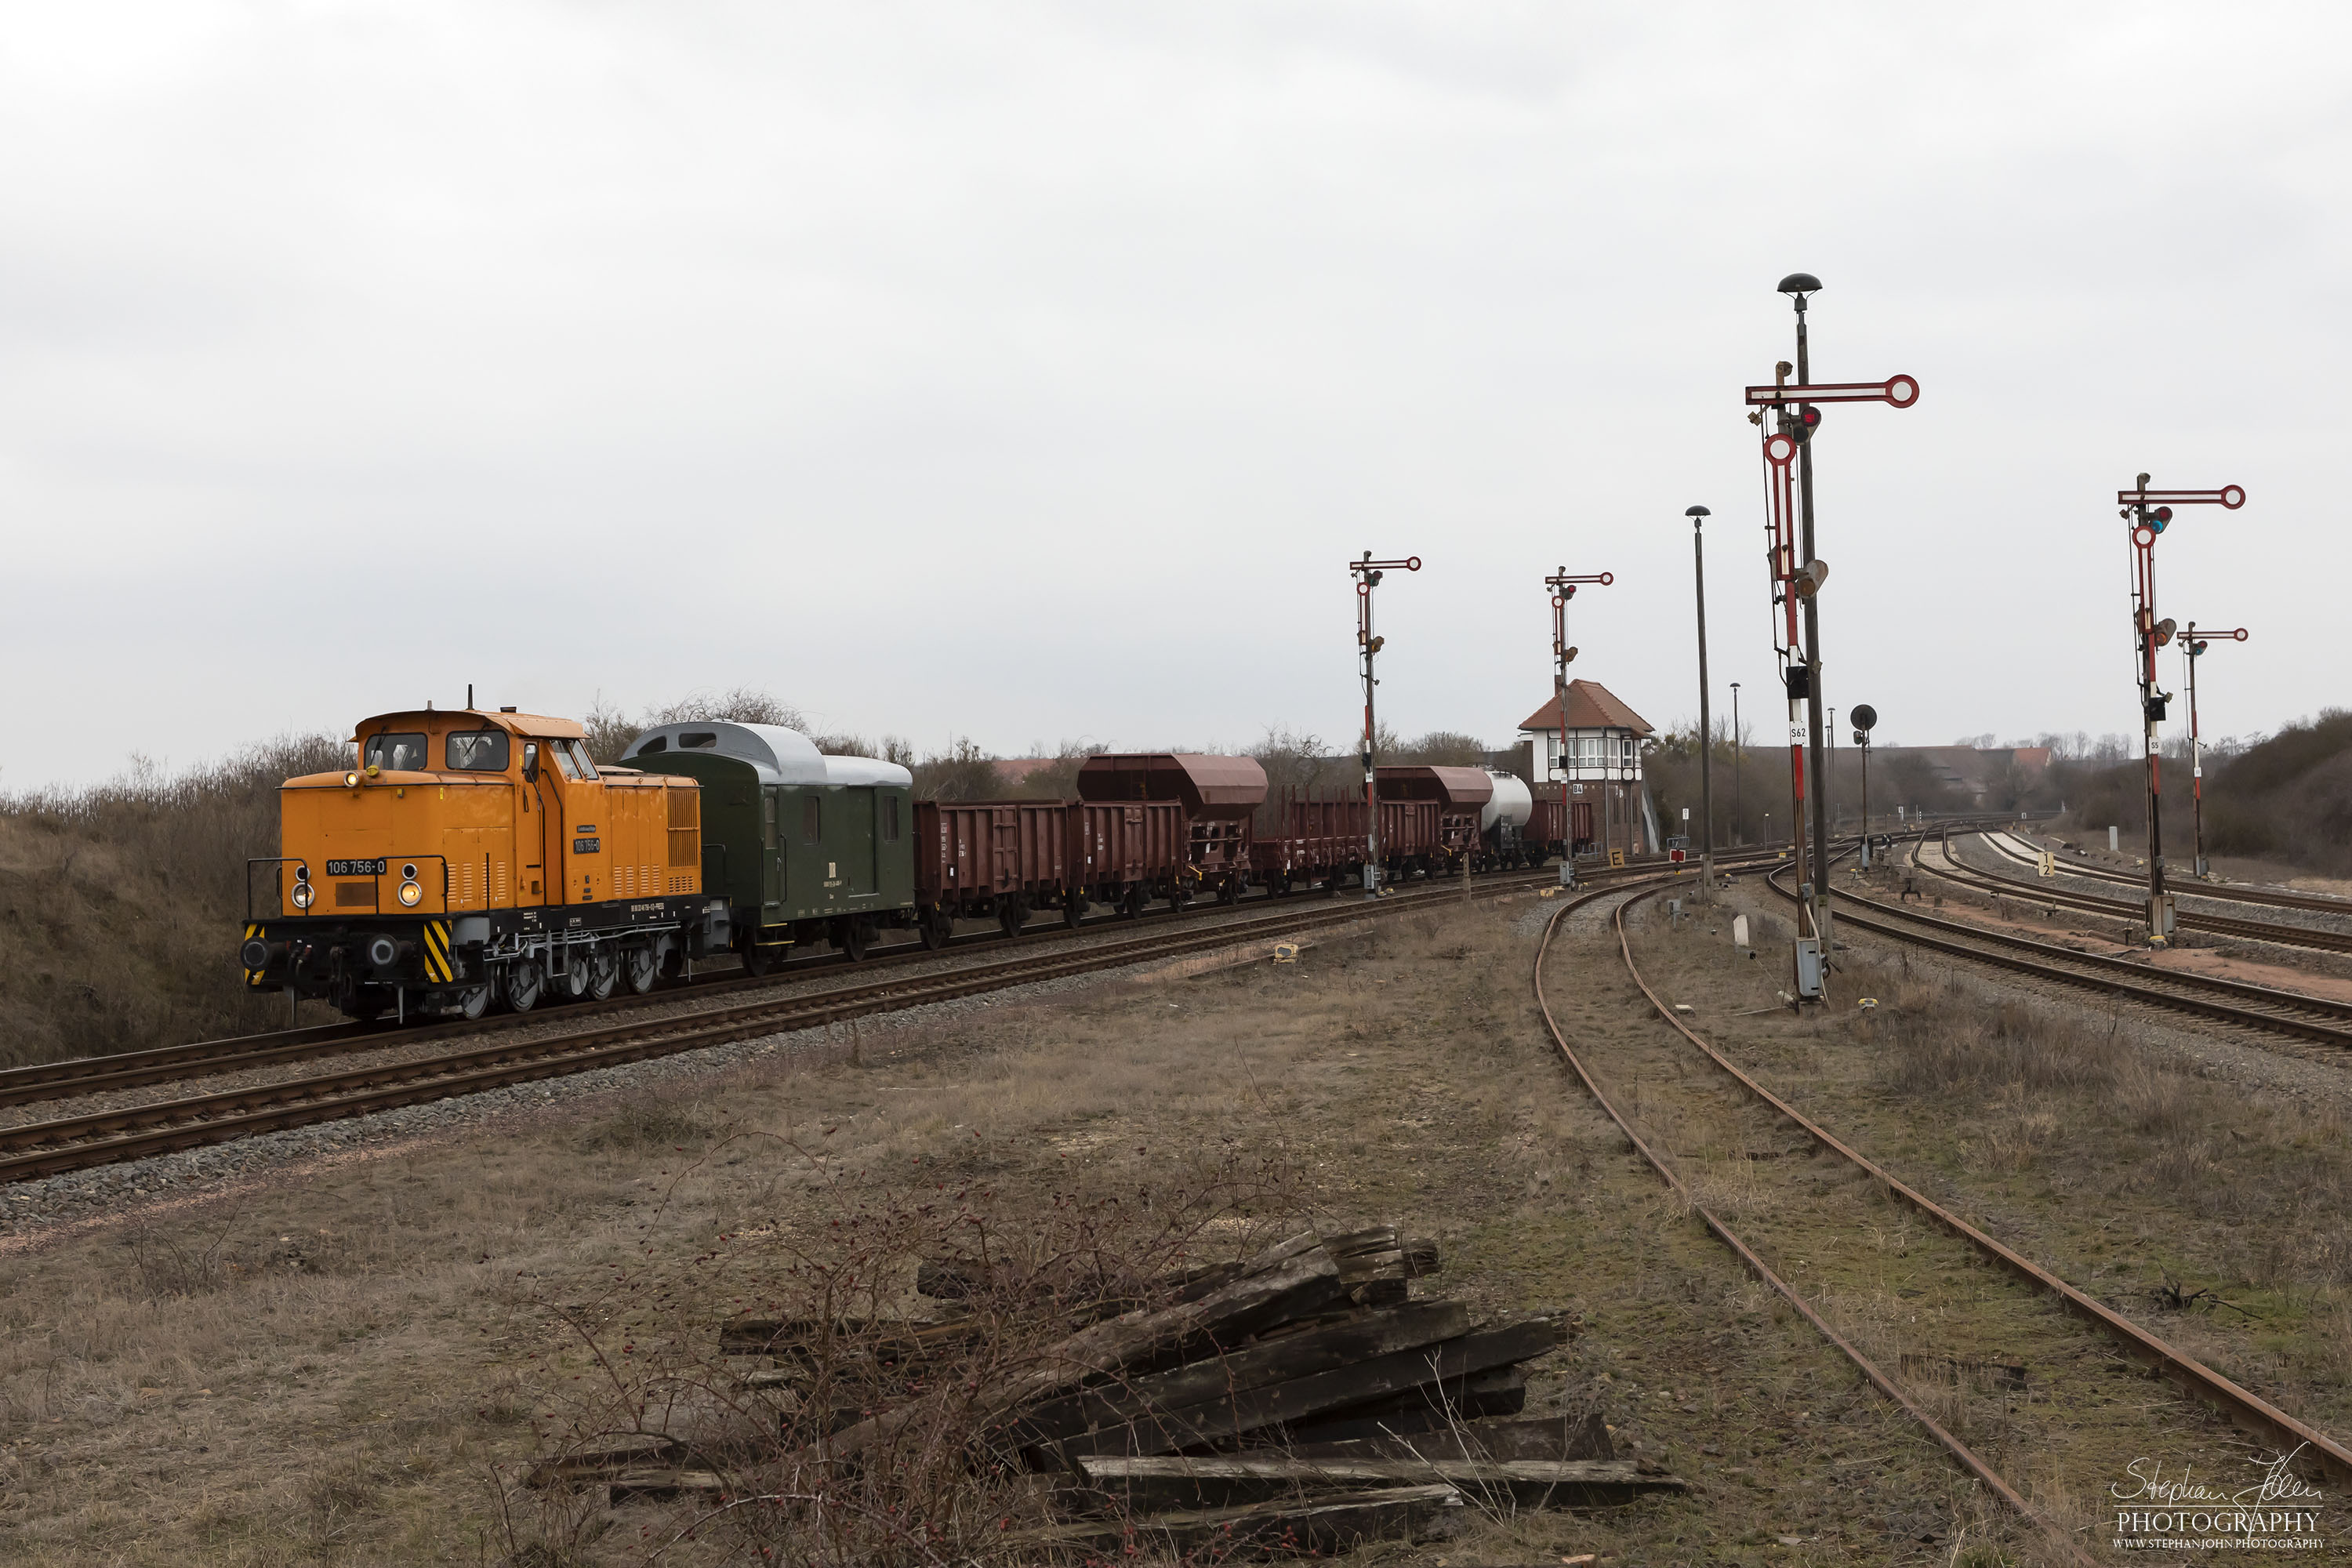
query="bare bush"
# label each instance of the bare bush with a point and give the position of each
(828, 1330)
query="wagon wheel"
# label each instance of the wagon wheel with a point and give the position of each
(1011, 914)
(1074, 910)
(1131, 907)
(524, 984)
(757, 959)
(603, 972)
(935, 926)
(849, 936)
(640, 968)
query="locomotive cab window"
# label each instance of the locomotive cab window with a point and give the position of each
(579, 759)
(479, 751)
(397, 752)
(812, 819)
(563, 763)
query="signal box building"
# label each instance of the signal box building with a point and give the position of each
(1601, 767)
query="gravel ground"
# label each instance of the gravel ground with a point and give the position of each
(55, 1205)
(2125, 930)
(35, 1208)
(2183, 888)
(2309, 1073)
(560, 1020)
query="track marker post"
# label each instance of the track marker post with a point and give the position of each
(1787, 415)
(1368, 574)
(1563, 585)
(2149, 512)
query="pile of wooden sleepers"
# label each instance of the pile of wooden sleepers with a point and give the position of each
(1305, 1400)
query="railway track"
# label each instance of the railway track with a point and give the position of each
(2260, 1008)
(1968, 875)
(2190, 888)
(1949, 1339)
(45, 1148)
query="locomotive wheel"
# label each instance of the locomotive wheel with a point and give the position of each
(640, 968)
(474, 1001)
(524, 984)
(602, 972)
(1074, 910)
(935, 926)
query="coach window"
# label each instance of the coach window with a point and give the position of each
(477, 752)
(397, 752)
(889, 819)
(812, 819)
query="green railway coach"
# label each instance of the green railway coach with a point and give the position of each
(802, 846)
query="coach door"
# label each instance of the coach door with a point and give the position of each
(771, 858)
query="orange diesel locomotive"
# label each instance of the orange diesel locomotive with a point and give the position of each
(470, 855)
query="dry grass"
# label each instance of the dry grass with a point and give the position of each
(357, 1367)
(121, 904)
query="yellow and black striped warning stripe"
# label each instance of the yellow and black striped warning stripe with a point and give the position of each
(252, 976)
(437, 952)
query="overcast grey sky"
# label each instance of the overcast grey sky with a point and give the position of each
(1029, 371)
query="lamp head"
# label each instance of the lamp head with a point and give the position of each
(1697, 511)
(1800, 284)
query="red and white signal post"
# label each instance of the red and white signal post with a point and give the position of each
(2149, 512)
(1368, 574)
(1797, 575)
(2194, 642)
(1563, 588)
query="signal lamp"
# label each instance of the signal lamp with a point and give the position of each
(302, 895)
(1807, 420)
(408, 872)
(351, 781)
(409, 893)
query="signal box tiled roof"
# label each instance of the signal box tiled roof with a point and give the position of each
(1590, 706)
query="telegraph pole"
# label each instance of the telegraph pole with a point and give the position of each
(1737, 751)
(1368, 574)
(2149, 512)
(1563, 588)
(1798, 576)
(2194, 645)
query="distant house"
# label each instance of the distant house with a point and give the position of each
(1599, 758)
(1012, 772)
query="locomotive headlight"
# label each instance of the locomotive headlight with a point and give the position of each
(409, 893)
(351, 781)
(302, 895)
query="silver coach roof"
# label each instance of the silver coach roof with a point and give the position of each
(782, 757)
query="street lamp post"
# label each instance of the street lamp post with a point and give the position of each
(1798, 573)
(1698, 516)
(1368, 574)
(2193, 645)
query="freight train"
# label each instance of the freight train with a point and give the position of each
(470, 860)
